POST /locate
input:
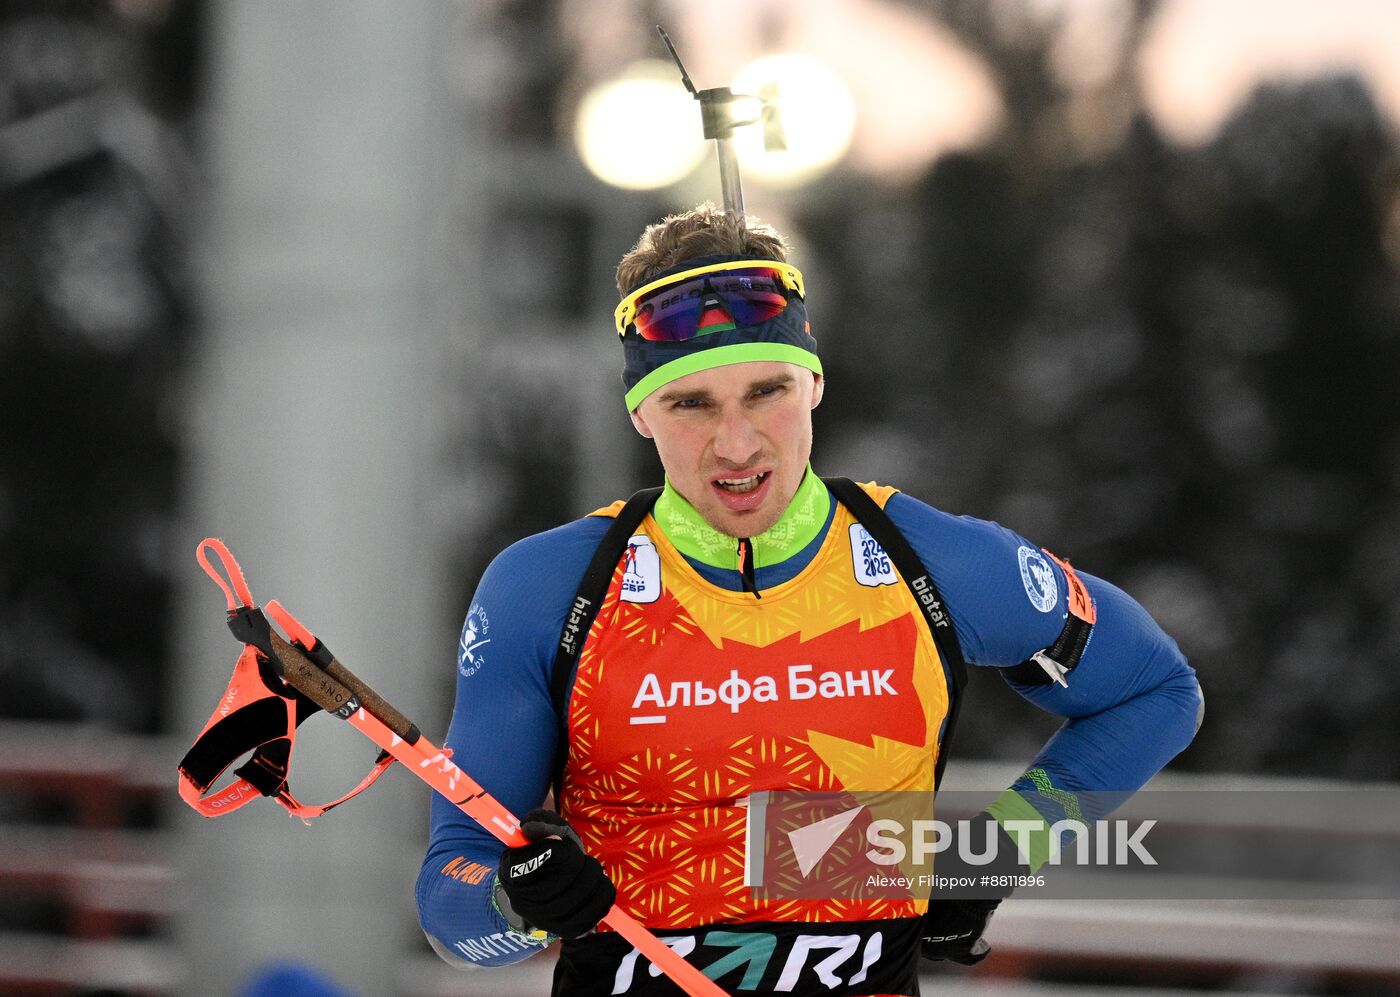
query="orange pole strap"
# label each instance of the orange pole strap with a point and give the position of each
(435, 767)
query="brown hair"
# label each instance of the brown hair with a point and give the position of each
(704, 230)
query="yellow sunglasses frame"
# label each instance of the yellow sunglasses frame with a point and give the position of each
(626, 309)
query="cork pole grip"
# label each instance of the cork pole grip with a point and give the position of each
(334, 687)
(369, 699)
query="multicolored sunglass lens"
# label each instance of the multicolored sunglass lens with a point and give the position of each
(710, 302)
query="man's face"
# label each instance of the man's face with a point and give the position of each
(735, 440)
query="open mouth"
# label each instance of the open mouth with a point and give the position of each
(738, 486)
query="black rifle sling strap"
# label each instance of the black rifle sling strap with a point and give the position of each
(584, 609)
(878, 524)
(596, 579)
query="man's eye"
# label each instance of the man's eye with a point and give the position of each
(689, 403)
(767, 389)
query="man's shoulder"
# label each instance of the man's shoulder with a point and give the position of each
(935, 534)
(905, 509)
(880, 493)
(1005, 596)
(948, 541)
(528, 587)
(896, 501)
(556, 550)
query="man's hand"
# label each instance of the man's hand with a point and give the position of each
(957, 915)
(551, 885)
(953, 930)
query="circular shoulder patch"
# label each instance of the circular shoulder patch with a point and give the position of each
(1039, 579)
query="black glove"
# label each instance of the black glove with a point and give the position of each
(551, 885)
(953, 930)
(957, 916)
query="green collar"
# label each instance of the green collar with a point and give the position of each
(796, 528)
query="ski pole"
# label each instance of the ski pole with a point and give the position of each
(339, 691)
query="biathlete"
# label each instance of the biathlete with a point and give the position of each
(755, 630)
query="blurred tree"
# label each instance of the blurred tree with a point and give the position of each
(93, 315)
(1174, 366)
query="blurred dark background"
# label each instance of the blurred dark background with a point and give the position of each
(96, 313)
(1176, 366)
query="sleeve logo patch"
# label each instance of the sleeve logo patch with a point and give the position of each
(1039, 579)
(469, 654)
(641, 578)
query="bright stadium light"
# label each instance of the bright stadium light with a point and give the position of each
(639, 131)
(816, 111)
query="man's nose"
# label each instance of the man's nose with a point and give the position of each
(736, 441)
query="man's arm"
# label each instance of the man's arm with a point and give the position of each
(1133, 702)
(503, 733)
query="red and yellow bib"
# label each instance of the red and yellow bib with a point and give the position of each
(689, 697)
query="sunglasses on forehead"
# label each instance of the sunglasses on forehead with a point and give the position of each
(709, 299)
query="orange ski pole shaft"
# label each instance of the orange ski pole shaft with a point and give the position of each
(434, 767)
(335, 687)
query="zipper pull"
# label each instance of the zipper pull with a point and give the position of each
(746, 567)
